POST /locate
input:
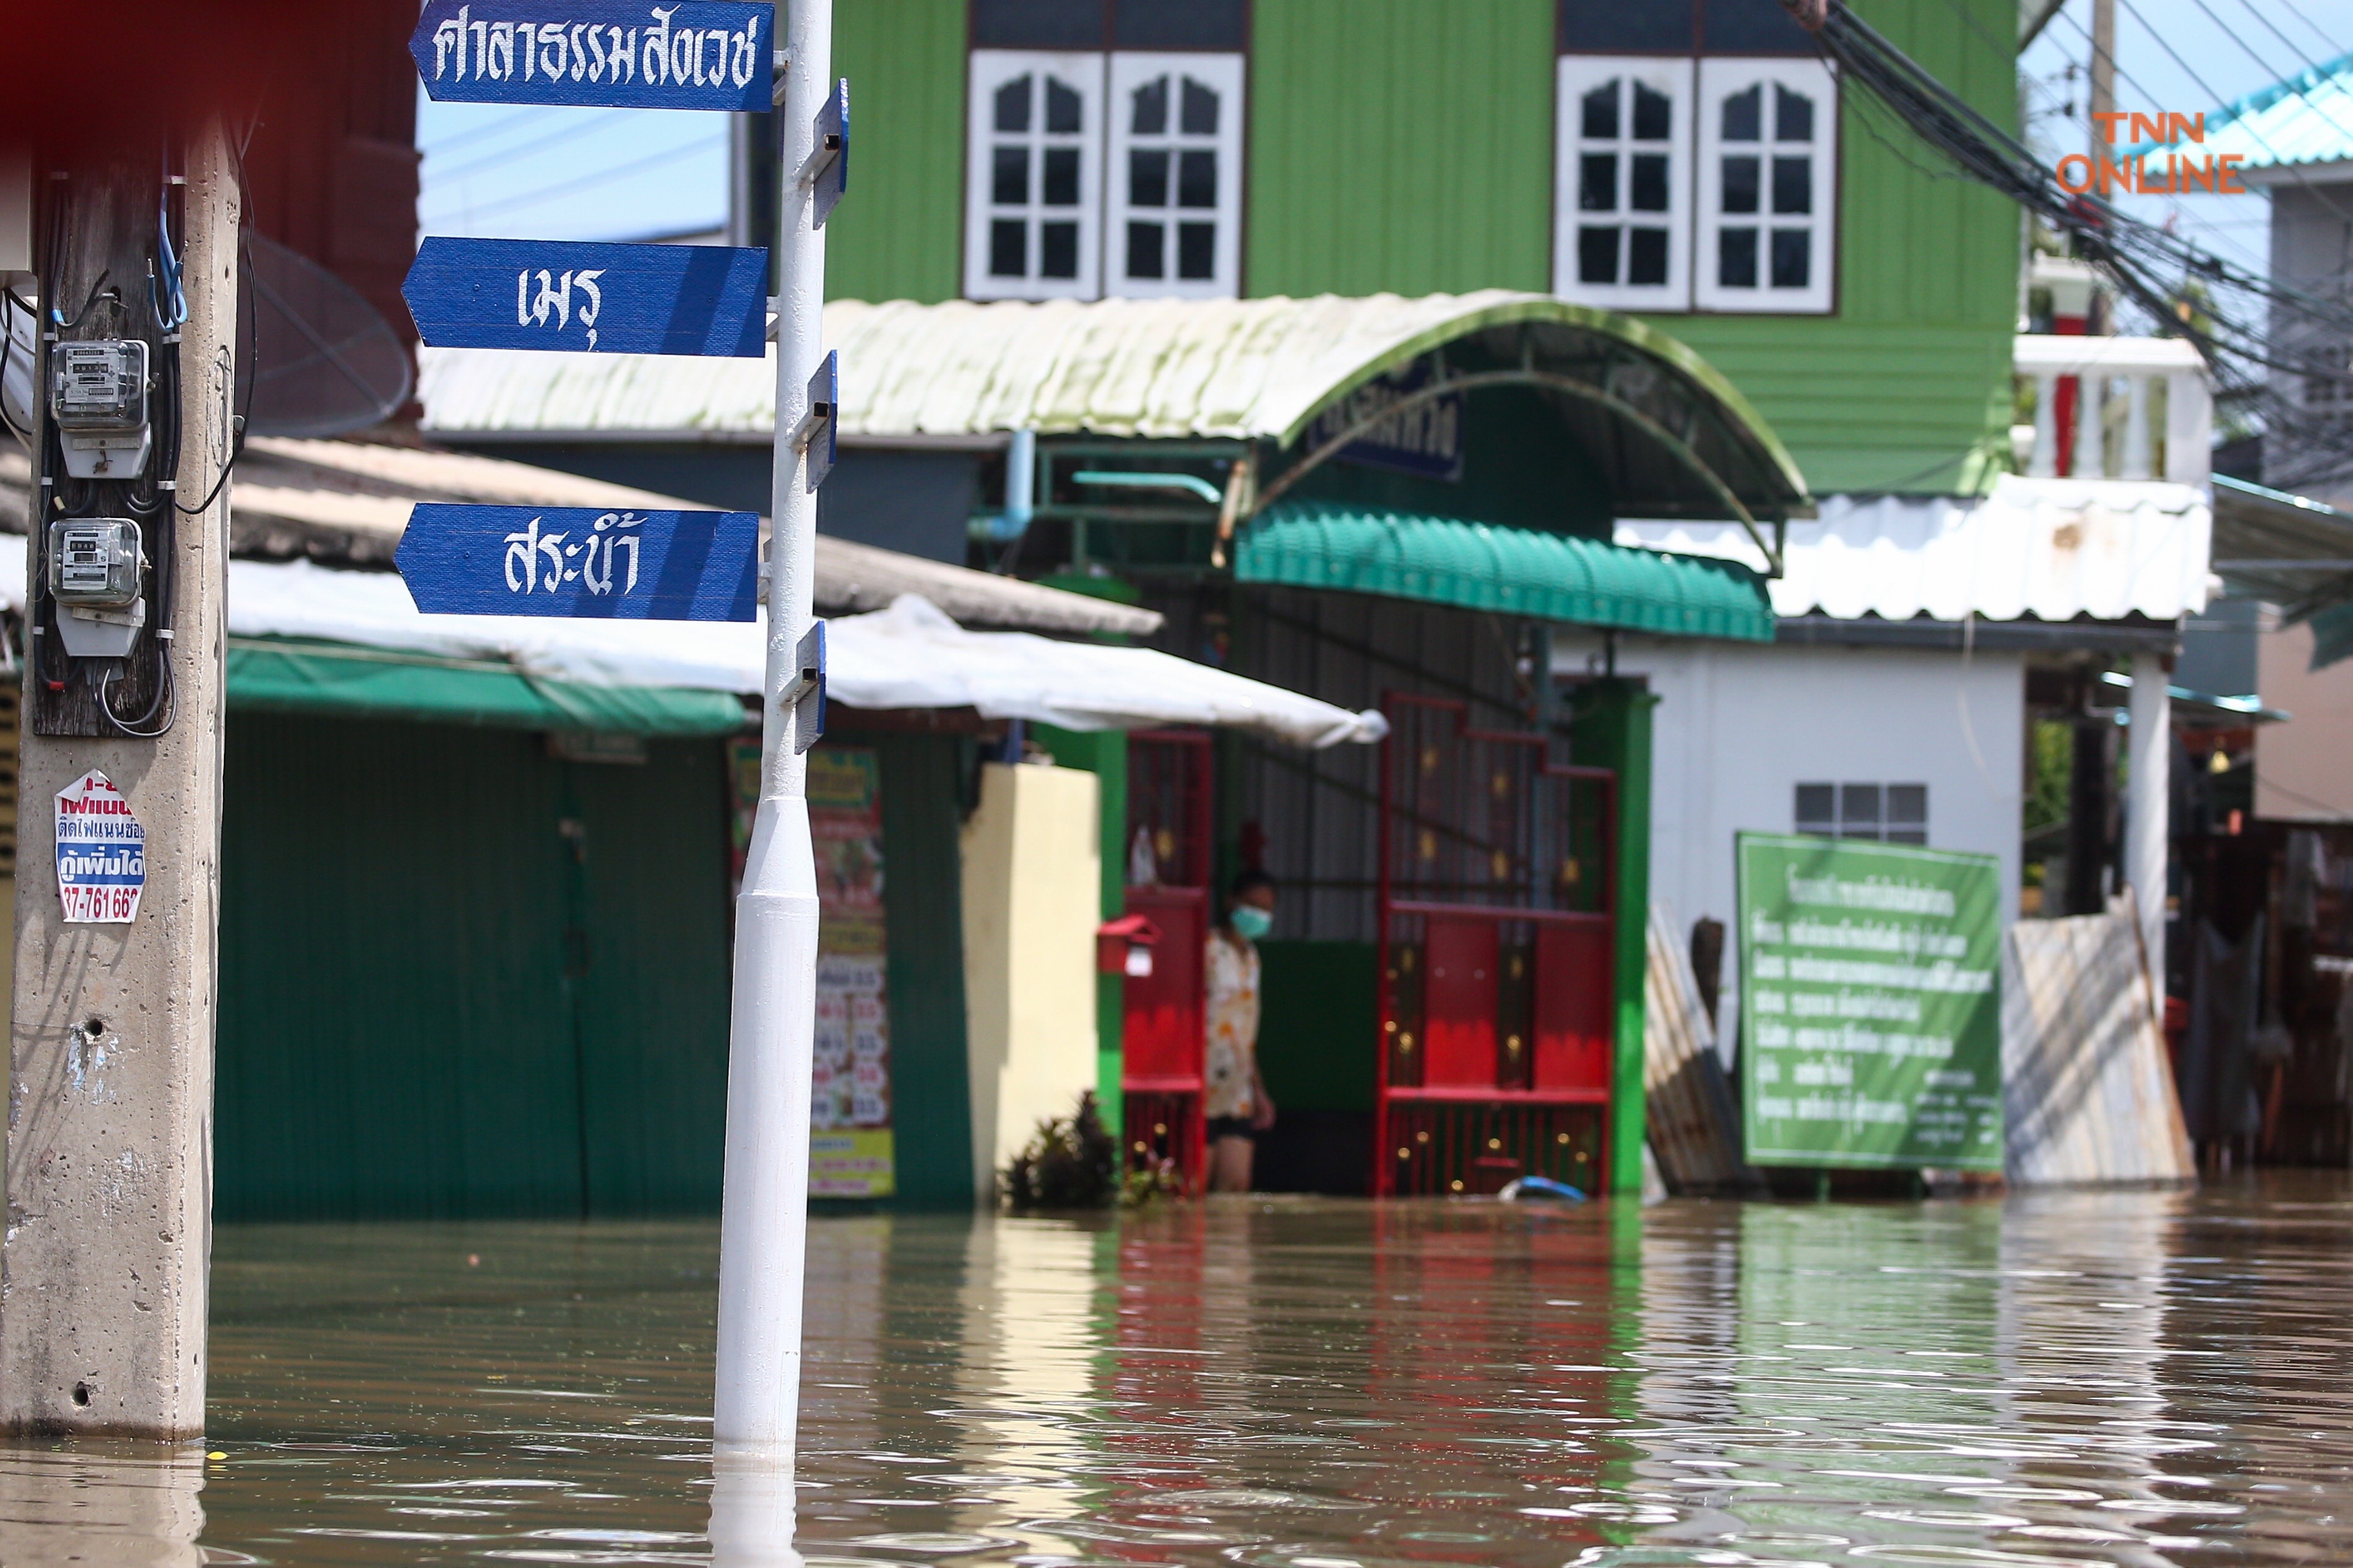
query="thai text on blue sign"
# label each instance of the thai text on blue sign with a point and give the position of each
(101, 853)
(581, 563)
(1423, 437)
(694, 54)
(702, 300)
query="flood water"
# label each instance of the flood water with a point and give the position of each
(2130, 1378)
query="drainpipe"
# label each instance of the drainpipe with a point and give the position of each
(2149, 794)
(1020, 482)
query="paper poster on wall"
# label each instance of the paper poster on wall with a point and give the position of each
(1870, 1008)
(850, 1147)
(101, 853)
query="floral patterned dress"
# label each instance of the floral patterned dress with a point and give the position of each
(1232, 1017)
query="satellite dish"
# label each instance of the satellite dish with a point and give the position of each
(322, 360)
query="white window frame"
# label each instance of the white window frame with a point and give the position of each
(1719, 78)
(1223, 74)
(1578, 74)
(990, 69)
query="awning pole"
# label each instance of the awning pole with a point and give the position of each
(764, 1215)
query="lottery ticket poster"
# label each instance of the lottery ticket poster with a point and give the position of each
(850, 1149)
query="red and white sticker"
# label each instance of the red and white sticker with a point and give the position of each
(101, 853)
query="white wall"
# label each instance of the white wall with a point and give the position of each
(1740, 725)
(1032, 898)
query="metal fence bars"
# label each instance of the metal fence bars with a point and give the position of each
(1169, 848)
(1497, 915)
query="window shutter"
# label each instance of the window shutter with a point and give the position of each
(1768, 185)
(1172, 219)
(1033, 184)
(1621, 199)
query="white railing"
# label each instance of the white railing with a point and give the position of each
(2137, 408)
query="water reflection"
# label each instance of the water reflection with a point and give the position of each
(2122, 1378)
(102, 1507)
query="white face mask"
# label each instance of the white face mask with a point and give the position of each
(1252, 922)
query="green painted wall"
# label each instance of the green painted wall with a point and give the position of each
(931, 1106)
(1319, 1020)
(1396, 145)
(899, 233)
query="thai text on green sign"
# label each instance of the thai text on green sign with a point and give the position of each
(1870, 1000)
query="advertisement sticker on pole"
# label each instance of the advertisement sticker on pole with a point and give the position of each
(101, 853)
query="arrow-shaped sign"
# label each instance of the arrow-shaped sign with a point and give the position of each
(582, 563)
(702, 300)
(691, 54)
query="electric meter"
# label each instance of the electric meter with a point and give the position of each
(98, 396)
(94, 562)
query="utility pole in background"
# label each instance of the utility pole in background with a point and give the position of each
(2102, 75)
(103, 1275)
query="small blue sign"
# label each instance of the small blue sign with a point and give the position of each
(691, 54)
(703, 299)
(580, 563)
(830, 161)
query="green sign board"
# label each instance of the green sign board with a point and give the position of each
(1870, 1004)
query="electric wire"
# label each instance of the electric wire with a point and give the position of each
(2254, 331)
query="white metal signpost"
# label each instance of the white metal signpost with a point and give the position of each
(708, 55)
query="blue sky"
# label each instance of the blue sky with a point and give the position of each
(588, 174)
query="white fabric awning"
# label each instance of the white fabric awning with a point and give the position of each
(908, 655)
(2054, 548)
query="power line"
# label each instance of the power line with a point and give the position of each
(2277, 75)
(2331, 45)
(468, 137)
(561, 133)
(602, 177)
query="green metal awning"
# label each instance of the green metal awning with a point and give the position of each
(1514, 571)
(344, 681)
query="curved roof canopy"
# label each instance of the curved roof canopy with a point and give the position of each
(1670, 434)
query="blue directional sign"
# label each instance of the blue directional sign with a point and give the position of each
(704, 299)
(581, 563)
(689, 54)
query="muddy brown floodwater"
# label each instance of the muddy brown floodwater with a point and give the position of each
(2131, 1378)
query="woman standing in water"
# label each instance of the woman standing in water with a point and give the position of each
(1236, 1105)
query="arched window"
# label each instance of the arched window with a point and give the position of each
(1175, 176)
(1034, 230)
(1767, 162)
(1622, 222)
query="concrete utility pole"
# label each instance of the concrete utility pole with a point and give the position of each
(2104, 76)
(763, 1218)
(103, 1276)
(2149, 804)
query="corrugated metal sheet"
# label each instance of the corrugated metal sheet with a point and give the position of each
(901, 234)
(2054, 548)
(1511, 571)
(1167, 369)
(2305, 119)
(1396, 146)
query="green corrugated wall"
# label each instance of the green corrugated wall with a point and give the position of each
(1396, 145)
(430, 1007)
(899, 233)
(1399, 146)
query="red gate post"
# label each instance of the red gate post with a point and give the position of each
(1612, 729)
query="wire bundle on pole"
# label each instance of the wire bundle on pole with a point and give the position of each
(2252, 331)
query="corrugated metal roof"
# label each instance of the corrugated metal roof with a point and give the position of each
(2287, 550)
(1515, 571)
(1246, 369)
(2053, 549)
(2305, 119)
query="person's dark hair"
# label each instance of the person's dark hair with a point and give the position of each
(1248, 882)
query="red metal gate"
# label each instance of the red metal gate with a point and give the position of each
(1498, 913)
(1161, 1038)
